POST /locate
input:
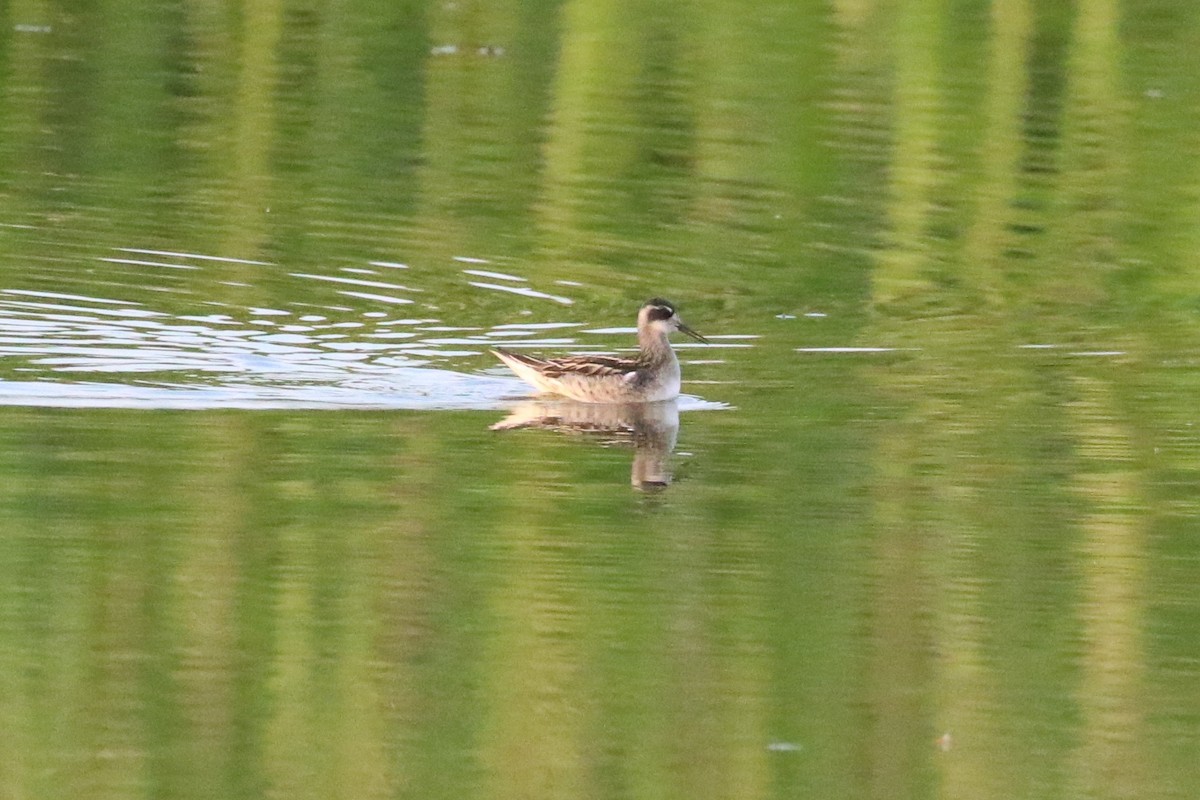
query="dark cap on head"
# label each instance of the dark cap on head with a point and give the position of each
(660, 308)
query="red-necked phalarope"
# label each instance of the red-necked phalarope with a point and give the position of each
(653, 375)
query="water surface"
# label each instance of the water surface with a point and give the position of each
(924, 523)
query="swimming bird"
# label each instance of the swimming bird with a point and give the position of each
(651, 376)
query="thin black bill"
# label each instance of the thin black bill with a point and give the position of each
(685, 329)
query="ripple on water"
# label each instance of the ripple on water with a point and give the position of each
(73, 350)
(77, 347)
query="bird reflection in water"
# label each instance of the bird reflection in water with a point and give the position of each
(651, 428)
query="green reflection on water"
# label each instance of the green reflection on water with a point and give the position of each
(321, 603)
(963, 567)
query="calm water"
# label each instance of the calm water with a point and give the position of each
(274, 523)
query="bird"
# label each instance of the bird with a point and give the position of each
(651, 376)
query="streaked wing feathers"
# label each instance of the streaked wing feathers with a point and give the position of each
(588, 366)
